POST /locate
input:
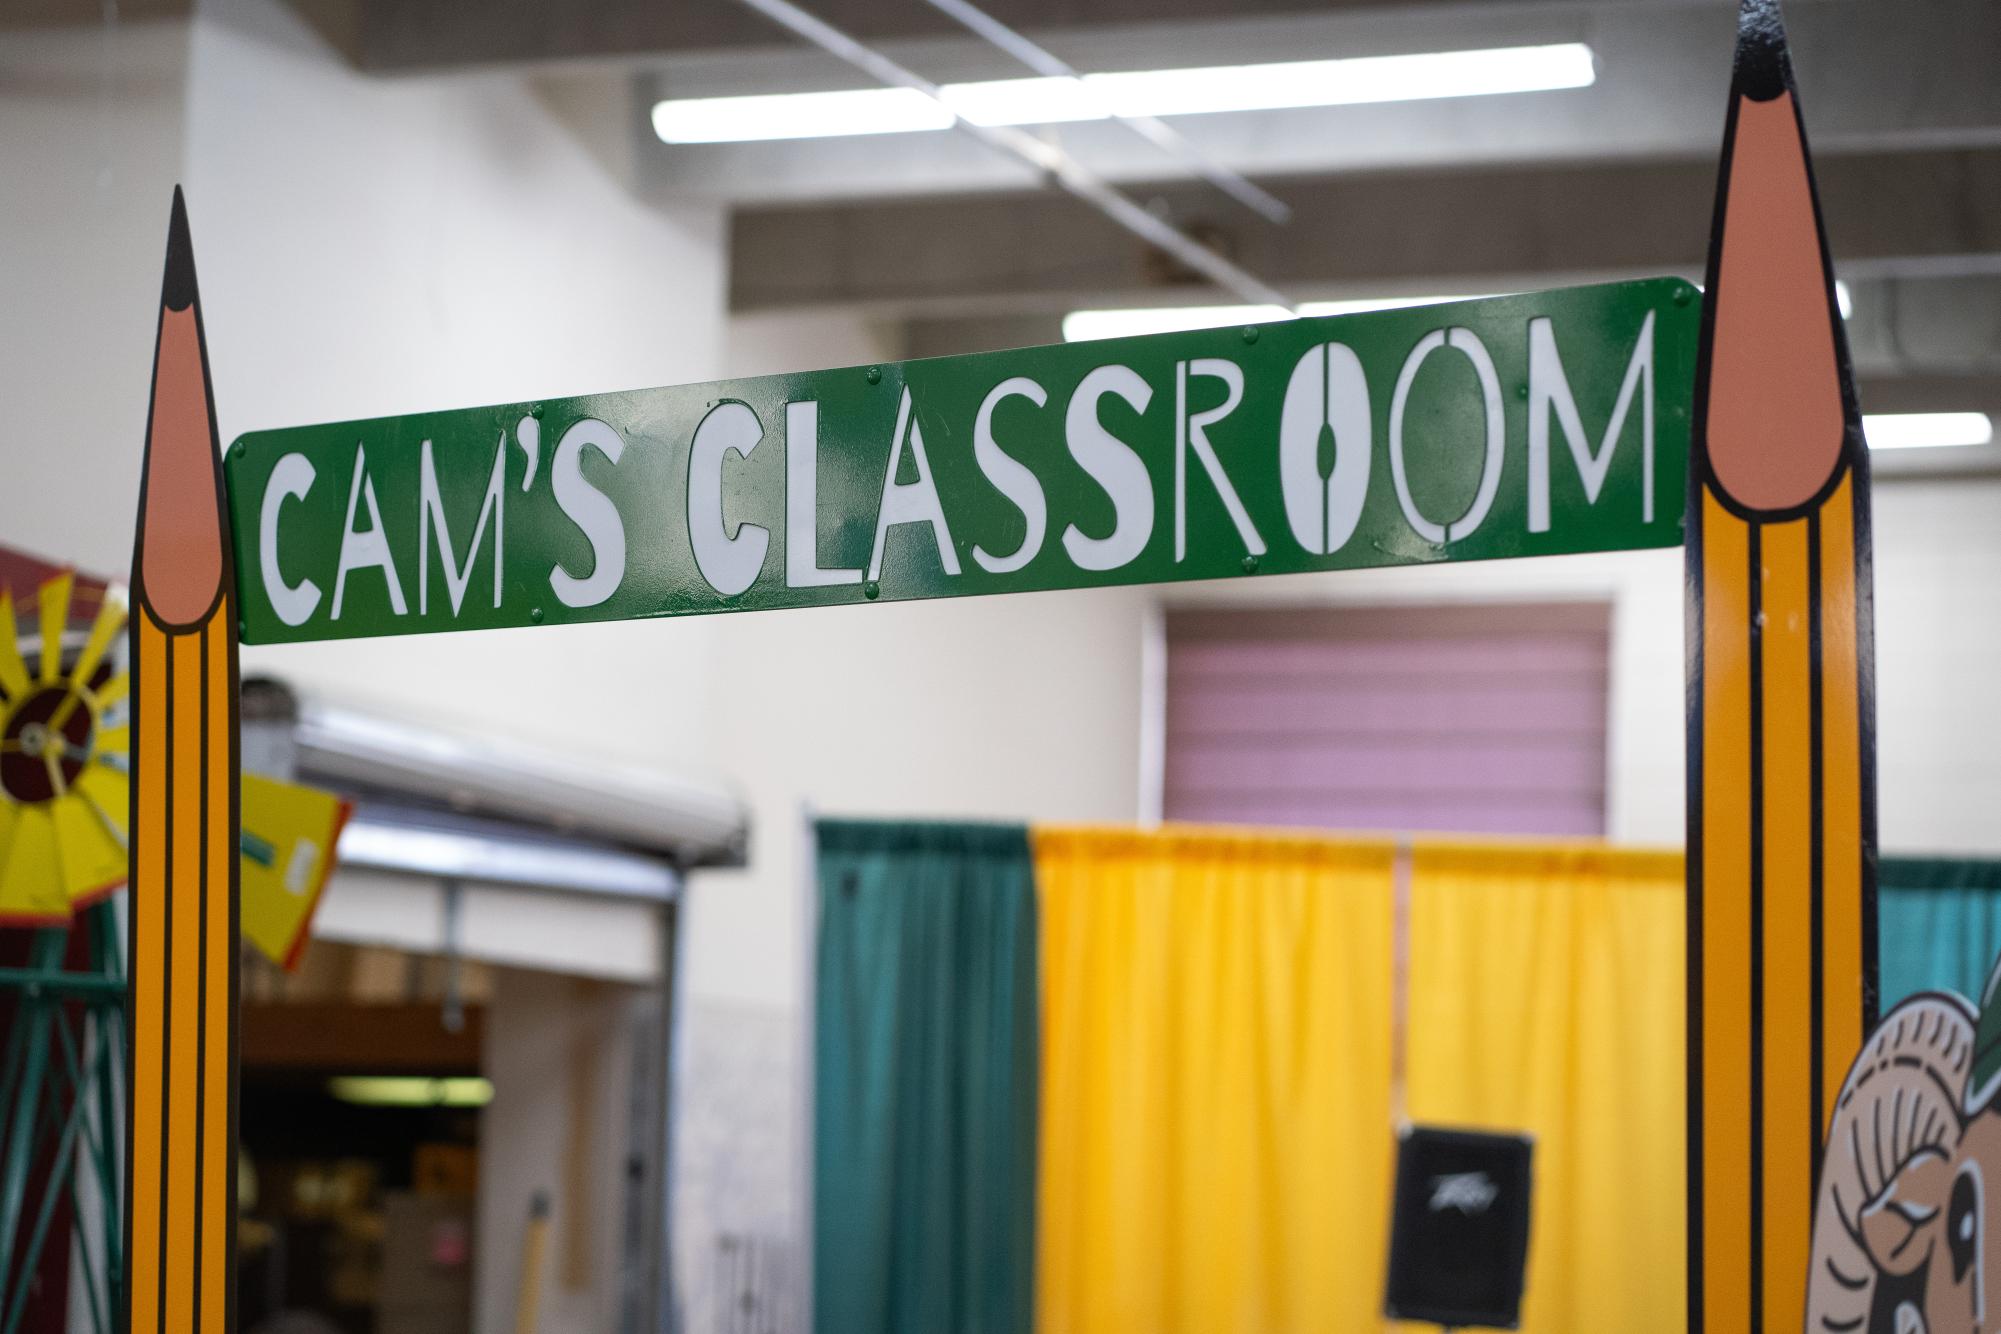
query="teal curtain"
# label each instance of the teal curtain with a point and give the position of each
(925, 1064)
(1938, 924)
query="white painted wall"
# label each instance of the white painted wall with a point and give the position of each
(1938, 643)
(371, 246)
(90, 146)
(364, 246)
(90, 139)
(776, 342)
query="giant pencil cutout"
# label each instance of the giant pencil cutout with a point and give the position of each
(1781, 804)
(180, 1214)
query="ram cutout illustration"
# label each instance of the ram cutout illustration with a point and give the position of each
(1905, 1239)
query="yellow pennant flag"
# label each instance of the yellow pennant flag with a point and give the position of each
(289, 833)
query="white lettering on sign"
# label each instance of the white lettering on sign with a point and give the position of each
(1326, 401)
(432, 510)
(365, 550)
(1319, 469)
(1549, 390)
(1467, 342)
(1191, 431)
(591, 511)
(1114, 465)
(290, 479)
(729, 563)
(528, 435)
(910, 502)
(1010, 476)
(802, 502)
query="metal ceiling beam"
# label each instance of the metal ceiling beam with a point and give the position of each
(1150, 129)
(1040, 155)
(1390, 233)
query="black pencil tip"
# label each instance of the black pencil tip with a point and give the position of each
(178, 291)
(1764, 65)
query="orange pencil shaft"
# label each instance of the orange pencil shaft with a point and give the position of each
(180, 1222)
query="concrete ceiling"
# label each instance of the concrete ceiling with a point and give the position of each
(1873, 76)
(23, 14)
(404, 36)
(1475, 228)
(966, 249)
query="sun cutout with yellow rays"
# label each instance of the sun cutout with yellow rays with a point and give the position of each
(64, 763)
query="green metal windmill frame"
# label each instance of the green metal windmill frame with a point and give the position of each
(62, 1079)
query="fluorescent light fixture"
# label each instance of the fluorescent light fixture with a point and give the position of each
(411, 1090)
(1165, 92)
(1043, 101)
(1081, 326)
(720, 120)
(1328, 83)
(1928, 430)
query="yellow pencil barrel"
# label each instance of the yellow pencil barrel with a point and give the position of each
(183, 981)
(1721, 904)
(145, 1191)
(1782, 909)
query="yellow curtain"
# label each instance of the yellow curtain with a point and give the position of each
(1215, 1080)
(1215, 1137)
(1547, 996)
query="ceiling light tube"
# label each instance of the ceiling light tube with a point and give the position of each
(1928, 430)
(722, 120)
(1327, 83)
(1139, 94)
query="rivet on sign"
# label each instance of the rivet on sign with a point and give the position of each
(1521, 391)
(1683, 295)
(536, 616)
(871, 590)
(536, 412)
(237, 449)
(874, 377)
(242, 629)
(1250, 565)
(1250, 333)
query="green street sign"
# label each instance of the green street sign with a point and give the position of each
(1527, 425)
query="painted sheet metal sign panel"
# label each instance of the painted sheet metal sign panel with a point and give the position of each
(1526, 425)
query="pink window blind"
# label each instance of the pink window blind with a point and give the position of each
(1481, 720)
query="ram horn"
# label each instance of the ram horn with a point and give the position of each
(1901, 1097)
